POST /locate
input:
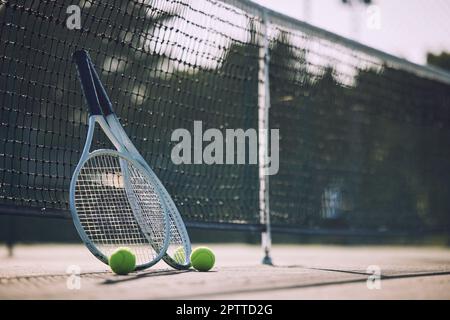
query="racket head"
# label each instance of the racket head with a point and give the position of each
(115, 203)
(178, 253)
(179, 250)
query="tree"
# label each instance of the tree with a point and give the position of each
(442, 60)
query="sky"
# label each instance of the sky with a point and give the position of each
(405, 28)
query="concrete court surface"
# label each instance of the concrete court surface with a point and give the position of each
(301, 272)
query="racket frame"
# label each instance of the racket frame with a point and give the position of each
(97, 117)
(120, 134)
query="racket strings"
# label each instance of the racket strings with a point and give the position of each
(176, 244)
(178, 236)
(117, 206)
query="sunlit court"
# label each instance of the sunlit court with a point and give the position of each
(224, 149)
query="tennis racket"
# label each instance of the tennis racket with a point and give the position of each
(179, 250)
(114, 201)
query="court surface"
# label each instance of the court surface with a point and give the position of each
(301, 272)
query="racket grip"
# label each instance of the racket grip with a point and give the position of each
(103, 98)
(82, 60)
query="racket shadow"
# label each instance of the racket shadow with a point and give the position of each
(141, 275)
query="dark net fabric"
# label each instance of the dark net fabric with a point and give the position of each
(364, 144)
(164, 64)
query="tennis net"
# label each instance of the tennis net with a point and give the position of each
(364, 137)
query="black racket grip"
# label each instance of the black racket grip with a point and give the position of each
(82, 60)
(105, 102)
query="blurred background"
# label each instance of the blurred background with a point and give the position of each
(365, 144)
(415, 30)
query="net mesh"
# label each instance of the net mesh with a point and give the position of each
(364, 142)
(164, 64)
(118, 207)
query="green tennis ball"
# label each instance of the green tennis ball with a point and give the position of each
(122, 261)
(179, 256)
(202, 259)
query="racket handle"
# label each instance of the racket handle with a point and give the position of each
(103, 98)
(81, 58)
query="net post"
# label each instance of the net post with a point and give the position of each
(263, 140)
(11, 235)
